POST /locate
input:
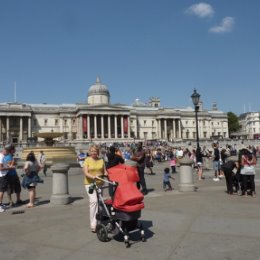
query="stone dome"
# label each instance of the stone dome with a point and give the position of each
(98, 93)
(98, 89)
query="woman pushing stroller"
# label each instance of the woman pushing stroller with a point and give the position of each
(93, 167)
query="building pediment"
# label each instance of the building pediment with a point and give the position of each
(101, 109)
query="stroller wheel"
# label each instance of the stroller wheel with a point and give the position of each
(126, 240)
(127, 244)
(102, 233)
(143, 236)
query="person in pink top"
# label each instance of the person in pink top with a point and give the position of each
(247, 162)
(173, 164)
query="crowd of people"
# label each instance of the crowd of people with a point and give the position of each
(236, 166)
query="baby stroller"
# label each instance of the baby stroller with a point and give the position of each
(120, 214)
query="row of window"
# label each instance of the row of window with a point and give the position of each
(56, 122)
(187, 135)
(186, 122)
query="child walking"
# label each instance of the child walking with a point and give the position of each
(166, 179)
(173, 164)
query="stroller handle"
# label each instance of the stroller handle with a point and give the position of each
(114, 183)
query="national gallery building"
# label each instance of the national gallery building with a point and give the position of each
(98, 120)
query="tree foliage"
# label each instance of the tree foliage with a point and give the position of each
(233, 122)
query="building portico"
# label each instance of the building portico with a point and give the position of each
(98, 125)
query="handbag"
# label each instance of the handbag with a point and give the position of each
(248, 170)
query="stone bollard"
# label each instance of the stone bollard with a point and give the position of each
(60, 186)
(186, 182)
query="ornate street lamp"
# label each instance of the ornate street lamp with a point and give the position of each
(196, 99)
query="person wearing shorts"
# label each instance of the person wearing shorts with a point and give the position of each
(14, 185)
(3, 175)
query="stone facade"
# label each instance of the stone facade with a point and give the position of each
(250, 126)
(98, 120)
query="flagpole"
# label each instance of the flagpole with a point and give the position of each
(15, 91)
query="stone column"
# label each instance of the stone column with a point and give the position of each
(29, 127)
(186, 182)
(128, 130)
(70, 129)
(122, 126)
(109, 126)
(210, 129)
(60, 186)
(136, 128)
(80, 133)
(159, 129)
(173, 129)
(21, 129)
(179, 128)
(102, 126)
(88, 126)
(115, 126)
(165, 129)
(95, 126)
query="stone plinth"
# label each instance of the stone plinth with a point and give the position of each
(60, 186)
(186, 181)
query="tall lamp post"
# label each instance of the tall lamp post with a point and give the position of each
(195, 99)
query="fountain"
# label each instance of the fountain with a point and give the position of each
(60, 159)
(54, 154)
(48, 137)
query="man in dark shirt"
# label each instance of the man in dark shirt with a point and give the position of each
(229, 169)
(139, 157)
(216, 164)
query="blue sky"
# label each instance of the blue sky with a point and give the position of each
(55, 49)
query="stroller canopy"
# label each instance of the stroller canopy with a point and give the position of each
(123, 173)
(127, 197)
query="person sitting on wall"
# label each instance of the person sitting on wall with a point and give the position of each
(81, 158)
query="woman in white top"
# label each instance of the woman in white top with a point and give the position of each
(248, 162)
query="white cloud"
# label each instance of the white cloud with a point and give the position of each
(226, 25)
(201, 10)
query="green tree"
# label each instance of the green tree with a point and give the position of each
(233, 122)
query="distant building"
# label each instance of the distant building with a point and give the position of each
(98, 120)
(250, 126)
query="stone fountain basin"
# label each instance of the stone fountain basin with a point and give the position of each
(48, 135)
(60, 154)
(54, 155)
